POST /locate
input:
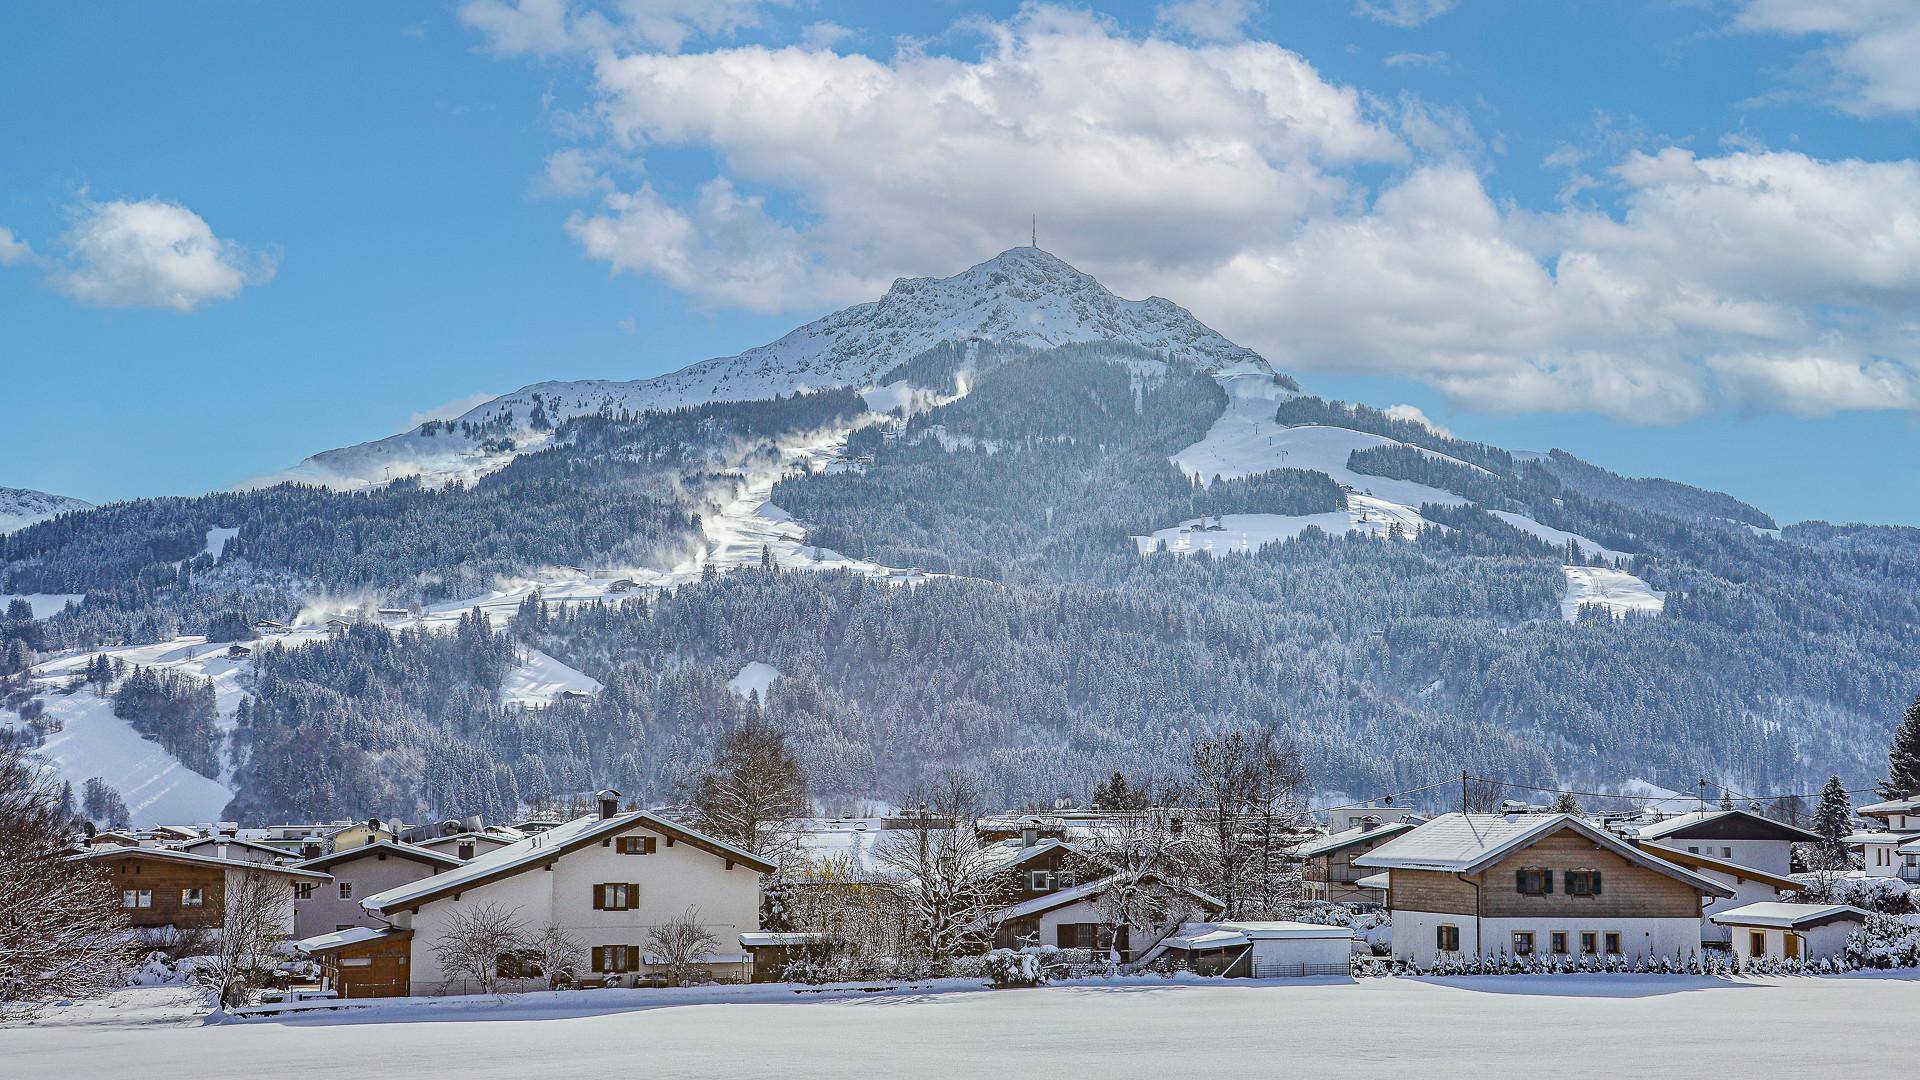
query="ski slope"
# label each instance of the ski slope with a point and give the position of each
(1616, 590)
(1560, 538)
(754, 678)
(540, 680)
(1240, 533)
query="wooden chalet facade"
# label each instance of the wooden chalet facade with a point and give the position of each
(1539, 885)
(163, 887)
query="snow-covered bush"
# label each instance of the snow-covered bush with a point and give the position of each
(1884, 942)
(1009, 968)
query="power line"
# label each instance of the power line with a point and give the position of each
(1647, 798)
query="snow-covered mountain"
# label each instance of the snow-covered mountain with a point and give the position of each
(21, 507)
(1022, 296)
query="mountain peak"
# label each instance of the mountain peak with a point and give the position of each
(21, 507)
(1022, 296)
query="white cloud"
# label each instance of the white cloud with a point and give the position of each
(12, 248)
(152, 253)
(926, 161)
(1207, 20)
(555, 27)
(1413, 414)
(450, 410)
(1403, 12)
(825, 35)
(1814, 382)
(1868, 61)
(1226, 177)
(1418, 59)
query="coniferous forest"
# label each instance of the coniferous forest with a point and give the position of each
(1056, 651)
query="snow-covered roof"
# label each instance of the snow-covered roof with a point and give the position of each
(1684, 822)
(764, 940)
(535, 850)
(1464, 843)
(1084, 891)
(1860, 838)
(215, 841)
(1787, 916)
(1373, 881)
(1326, 845)
(1891, 806)
(340, 939)
(380, 847)
(172, 855)
(1197, 936)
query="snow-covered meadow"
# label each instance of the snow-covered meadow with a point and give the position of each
(1573, 1026)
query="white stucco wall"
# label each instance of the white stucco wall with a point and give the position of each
(1269, 953)
(1816, 943)
(1744, 893)
(1771, 856)
(1414, 935)
(670, 880)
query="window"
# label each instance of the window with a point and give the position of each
(616, 897)
(1726, 853)
(1523, 943)
(634, 845)
(1757, 943)
(519, 964)
(1533, 881)
(1446, 937)
(192, 897)
(1559, 938)
(1693, 849)
(1589, 942)
(1613, 943)
(1583, 883)
(614, 959)
(303, 890)
(1040, 881)
(1088, 936)
(346, 890)
(136, 898)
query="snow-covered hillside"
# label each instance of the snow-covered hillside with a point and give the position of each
(21, 507)
(1023, 296)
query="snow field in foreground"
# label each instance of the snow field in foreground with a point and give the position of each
(1573, 1026)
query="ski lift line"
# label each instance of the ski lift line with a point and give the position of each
(1644, 798)
(1375, 798)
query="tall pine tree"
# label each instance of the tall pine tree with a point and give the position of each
(1903, 758)
(1833, 820)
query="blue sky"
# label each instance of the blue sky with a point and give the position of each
(1679, 239)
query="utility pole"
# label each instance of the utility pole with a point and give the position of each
(1463, 791)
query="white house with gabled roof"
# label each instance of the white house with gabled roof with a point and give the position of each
(1736, 836)
(607, 880)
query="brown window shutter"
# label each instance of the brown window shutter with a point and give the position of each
(633, 895)
(648, 847)
(599, 959)
(599, 898)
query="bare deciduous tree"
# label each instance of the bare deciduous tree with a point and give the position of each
(938, 870)
(556, 954)
(1144, 856)
(751, 791)
(681, 946)
(473, 942)
(62, 931)
(1246, 795)
(254, 923)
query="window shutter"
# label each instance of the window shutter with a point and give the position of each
(1595, 878)
(1520, 881)
(633, 895)
(599, 958)
(647, 845)
(599, 898)
(1546, 881)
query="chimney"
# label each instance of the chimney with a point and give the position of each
(609, 803)
(1369, 823)
(1029, 835)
